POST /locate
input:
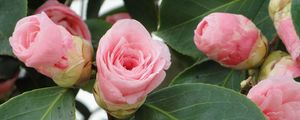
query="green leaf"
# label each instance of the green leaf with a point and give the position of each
(10, 12)
(264, 22)
(198, 102)
(145, 11)
(179, 63)
(97, 28)
(93, 8)
(179, 18)
(52, 103)
(295, 11)
(212, 73)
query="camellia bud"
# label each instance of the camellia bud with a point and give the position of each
(52, 50)
(278, 6)
(280, 11)
(270, 62)
(279, 64)
(231, 40)
(80, 63)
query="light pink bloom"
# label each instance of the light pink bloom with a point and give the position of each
(130, 65)
(278, 97)
(118, 16)
(51, 50)
(63, 15)
(230, 39)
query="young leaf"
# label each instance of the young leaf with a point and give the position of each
(295, 10)
(179, 18)
(144, 11)
(10, 12)
(212, 73)
(264, 22)
(54, 103)
(97, 28)
(93, 8)
(198, 102)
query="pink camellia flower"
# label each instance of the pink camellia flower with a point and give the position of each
(63, 15)
(278, 97)
(130, 65)
(52, 50)
(118, 16)
(231, 40)
(280, 13)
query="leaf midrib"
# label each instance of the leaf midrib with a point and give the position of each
(171, 117)
(53, 104)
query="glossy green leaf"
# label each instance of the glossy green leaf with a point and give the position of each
(295, 10)
(145, 11)
(93, 8)
(264, 22)
(97, 28)
(179, 18)
(179, 63)
(53, 103)
(211, 72)
(10, 12)
(198, 102)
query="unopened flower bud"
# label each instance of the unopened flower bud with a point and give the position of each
(279, 64)
(231, 40)
(277, 6)
(280, 11)
(269, 63)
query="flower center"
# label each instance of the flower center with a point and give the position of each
(129, 62)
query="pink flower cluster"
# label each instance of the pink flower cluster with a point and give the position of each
(130, 63)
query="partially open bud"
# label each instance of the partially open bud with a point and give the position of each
(231, 40)
(130, 65)
(79, 69)
(269, 63)
(52, 50)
